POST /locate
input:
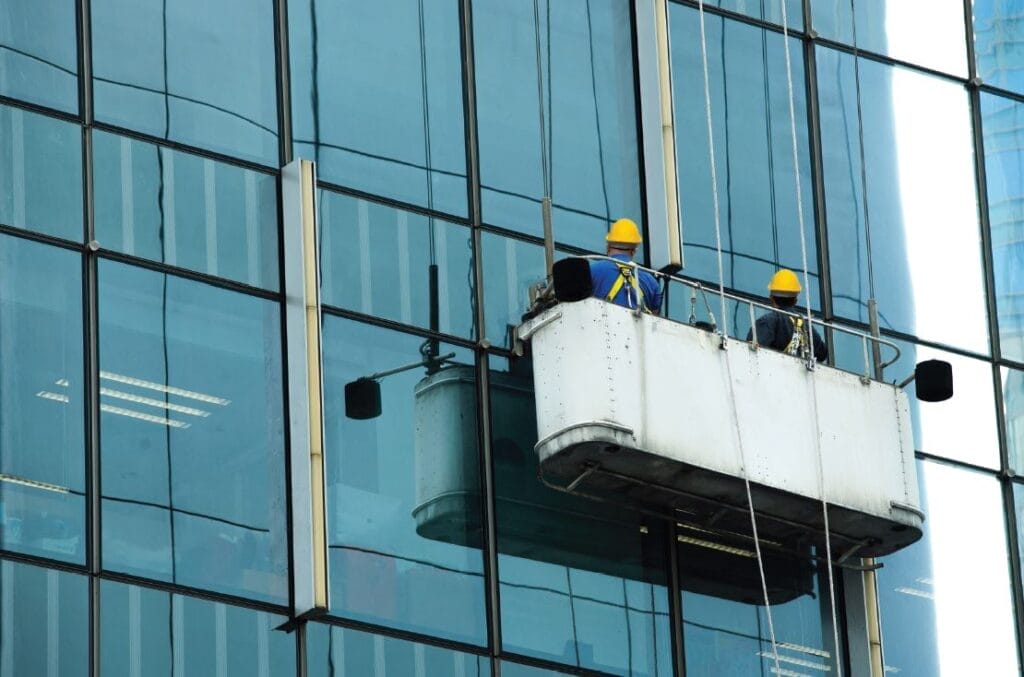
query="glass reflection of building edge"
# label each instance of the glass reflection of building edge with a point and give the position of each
(579, 550)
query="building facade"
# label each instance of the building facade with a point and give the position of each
(145, 491)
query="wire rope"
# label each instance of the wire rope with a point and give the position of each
(725, 336)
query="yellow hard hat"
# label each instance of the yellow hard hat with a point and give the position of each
(624, 232)
(784, 283)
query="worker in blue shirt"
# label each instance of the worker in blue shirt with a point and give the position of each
(785, 332)
(618, 281)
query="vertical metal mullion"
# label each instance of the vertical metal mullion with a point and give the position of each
(284, 92)
(675, 604)
(473, 193)
(1009, 508)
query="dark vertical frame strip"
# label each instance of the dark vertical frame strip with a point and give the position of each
(488, 502)
(284, 89)
(675, 604)
(641, 168)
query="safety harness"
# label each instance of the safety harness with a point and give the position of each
(628, 279)
(798, 343)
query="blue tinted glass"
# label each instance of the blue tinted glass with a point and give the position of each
(185, 210)
(151, 633)
(921, 201)
(998, 36)
(509, 669)
(40, 173)
(582, 582)
(589, 111)
(726, 636)
(191, 434)
(339, 652)
(758, 215)
(769, 11)
(946, 608)
(403, 553)
(42, 457)
(930, 34)
(511, 267)
(1003, 124)
(377, 97)
(44, 620)
(196, 71)
(39, 52)
(1013, 415)
(378, 260)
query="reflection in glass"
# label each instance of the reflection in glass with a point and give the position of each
(1013, 414)
(760, 227)
(185, 210)
(40, 173)
(42, 445)
(192, 445)
(1003, 126)
(151, 633)
(386, 565)
(725, 637)
(895, 28)
(945, 601)
(510, 669)
(39, 52)
(589, 111)
(998, 35)
(922, 207)
(377, 97)
(582, 582)
(44, 617)
(511, 267)
(196, 71)
(378, 260)
(962, 428)
(767, 11)
(340, 652)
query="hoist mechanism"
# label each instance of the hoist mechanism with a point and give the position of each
(670, 417)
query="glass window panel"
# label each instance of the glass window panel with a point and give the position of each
(185, 210)
(1003, 126)
(945, 601)
(582, 582)
(377, 260)
(758, 211)
(929, 33)
(153, 633)
(589, 111)
(44, 620)
(39, 52)
(40, 173)
(42, 445)
(510, 669)
(1013, 414)
(340, 652)
(998, 35)
(921, 200)
(191, 434)
(196, 71)
(377, 97)
(962, 428)
(511, 267)
(767, 11)
(402, 555)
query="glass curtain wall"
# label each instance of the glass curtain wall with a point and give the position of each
(143, 433)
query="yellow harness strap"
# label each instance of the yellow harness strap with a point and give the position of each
(626, 276)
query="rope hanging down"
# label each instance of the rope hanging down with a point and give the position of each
(725, 335)
(810, 331)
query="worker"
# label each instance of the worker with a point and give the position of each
(785, 332)
(615, 280)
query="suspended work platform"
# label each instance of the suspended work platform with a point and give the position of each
(644, 409)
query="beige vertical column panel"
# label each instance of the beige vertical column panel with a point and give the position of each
(305, 389)
(664, 227)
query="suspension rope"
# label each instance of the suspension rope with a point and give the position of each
(810, 339)
(725, 336)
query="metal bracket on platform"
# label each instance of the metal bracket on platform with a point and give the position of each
(582, 476)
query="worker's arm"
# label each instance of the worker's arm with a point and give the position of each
(820, 347)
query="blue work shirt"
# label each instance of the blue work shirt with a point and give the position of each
(604, 273)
